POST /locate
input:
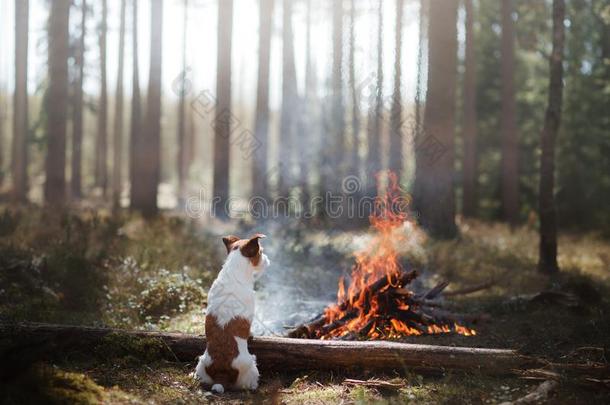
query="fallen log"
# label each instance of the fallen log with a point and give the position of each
(278, 354)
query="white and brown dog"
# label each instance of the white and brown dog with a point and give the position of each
(226, 362)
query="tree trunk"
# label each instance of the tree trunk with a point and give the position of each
(285, 354)
(77, 110)
(375, 115)
(355, 144)
(101, 155)
(56, 103)
(547, 261)
(395, 163)
(434, 148)
(419, 96)
(19, 161)
(338, 119)
(469, 199)
(260, 186)
(307, 129)
(224, 116)
(289, 105)
(510, 137)
(151, 136)
(117, 166)
(135, 137)
(181, 158)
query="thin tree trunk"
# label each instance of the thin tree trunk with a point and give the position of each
(135, 137)
(355, 156)
(434, 158)
(510, 136)
(288, 134)
(56, 103)
(101, 155)
(222, 122)
(181, 159)
(151, 136)
(19, 161)
(307, 126)
(395, 163)
(338, 111)
(547, 261)
(419, 96)
(77, 110)
(469, 199)
(260, 186)
(375, 114)
(117, 166)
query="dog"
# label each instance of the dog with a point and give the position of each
(226, 363)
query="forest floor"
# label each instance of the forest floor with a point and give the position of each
(120, 271)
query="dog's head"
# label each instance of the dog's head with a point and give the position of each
(250, 249)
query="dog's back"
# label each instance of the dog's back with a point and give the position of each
(223, 349)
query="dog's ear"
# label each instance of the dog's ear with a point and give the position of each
(252, 247)
(228, 241)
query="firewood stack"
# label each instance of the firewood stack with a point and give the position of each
(385, 309)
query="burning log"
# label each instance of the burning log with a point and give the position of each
(273, 353)
(397, 307)
(307, 330)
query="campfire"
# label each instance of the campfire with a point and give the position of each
(377, 303)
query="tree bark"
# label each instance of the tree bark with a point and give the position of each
(181, 144)
(547, 260)
(338, 111)
(135, 137)
(77, 110)
(19, 161)
(117, 166)
(307, 129)
(260, 185)
(469, 198)
(509, 131)
(224, 117)
(419, 93)
(355, 144)
(56, 103)
(285, 354)
(290, 96)
(151, 136)
(434, 199)
(101, 155)
(375, 114)
(395, 163)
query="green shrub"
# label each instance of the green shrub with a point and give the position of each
(168, 294)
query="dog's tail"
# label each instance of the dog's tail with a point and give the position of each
(218, 388)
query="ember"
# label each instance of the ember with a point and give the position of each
(377, 303)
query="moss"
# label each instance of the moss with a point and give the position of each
(131, 350)
(43, 384)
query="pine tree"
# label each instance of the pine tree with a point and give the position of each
(19, 153)
(260, 185)
(469, 132)
(547, 262)
(77, 109)
(55, 164)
